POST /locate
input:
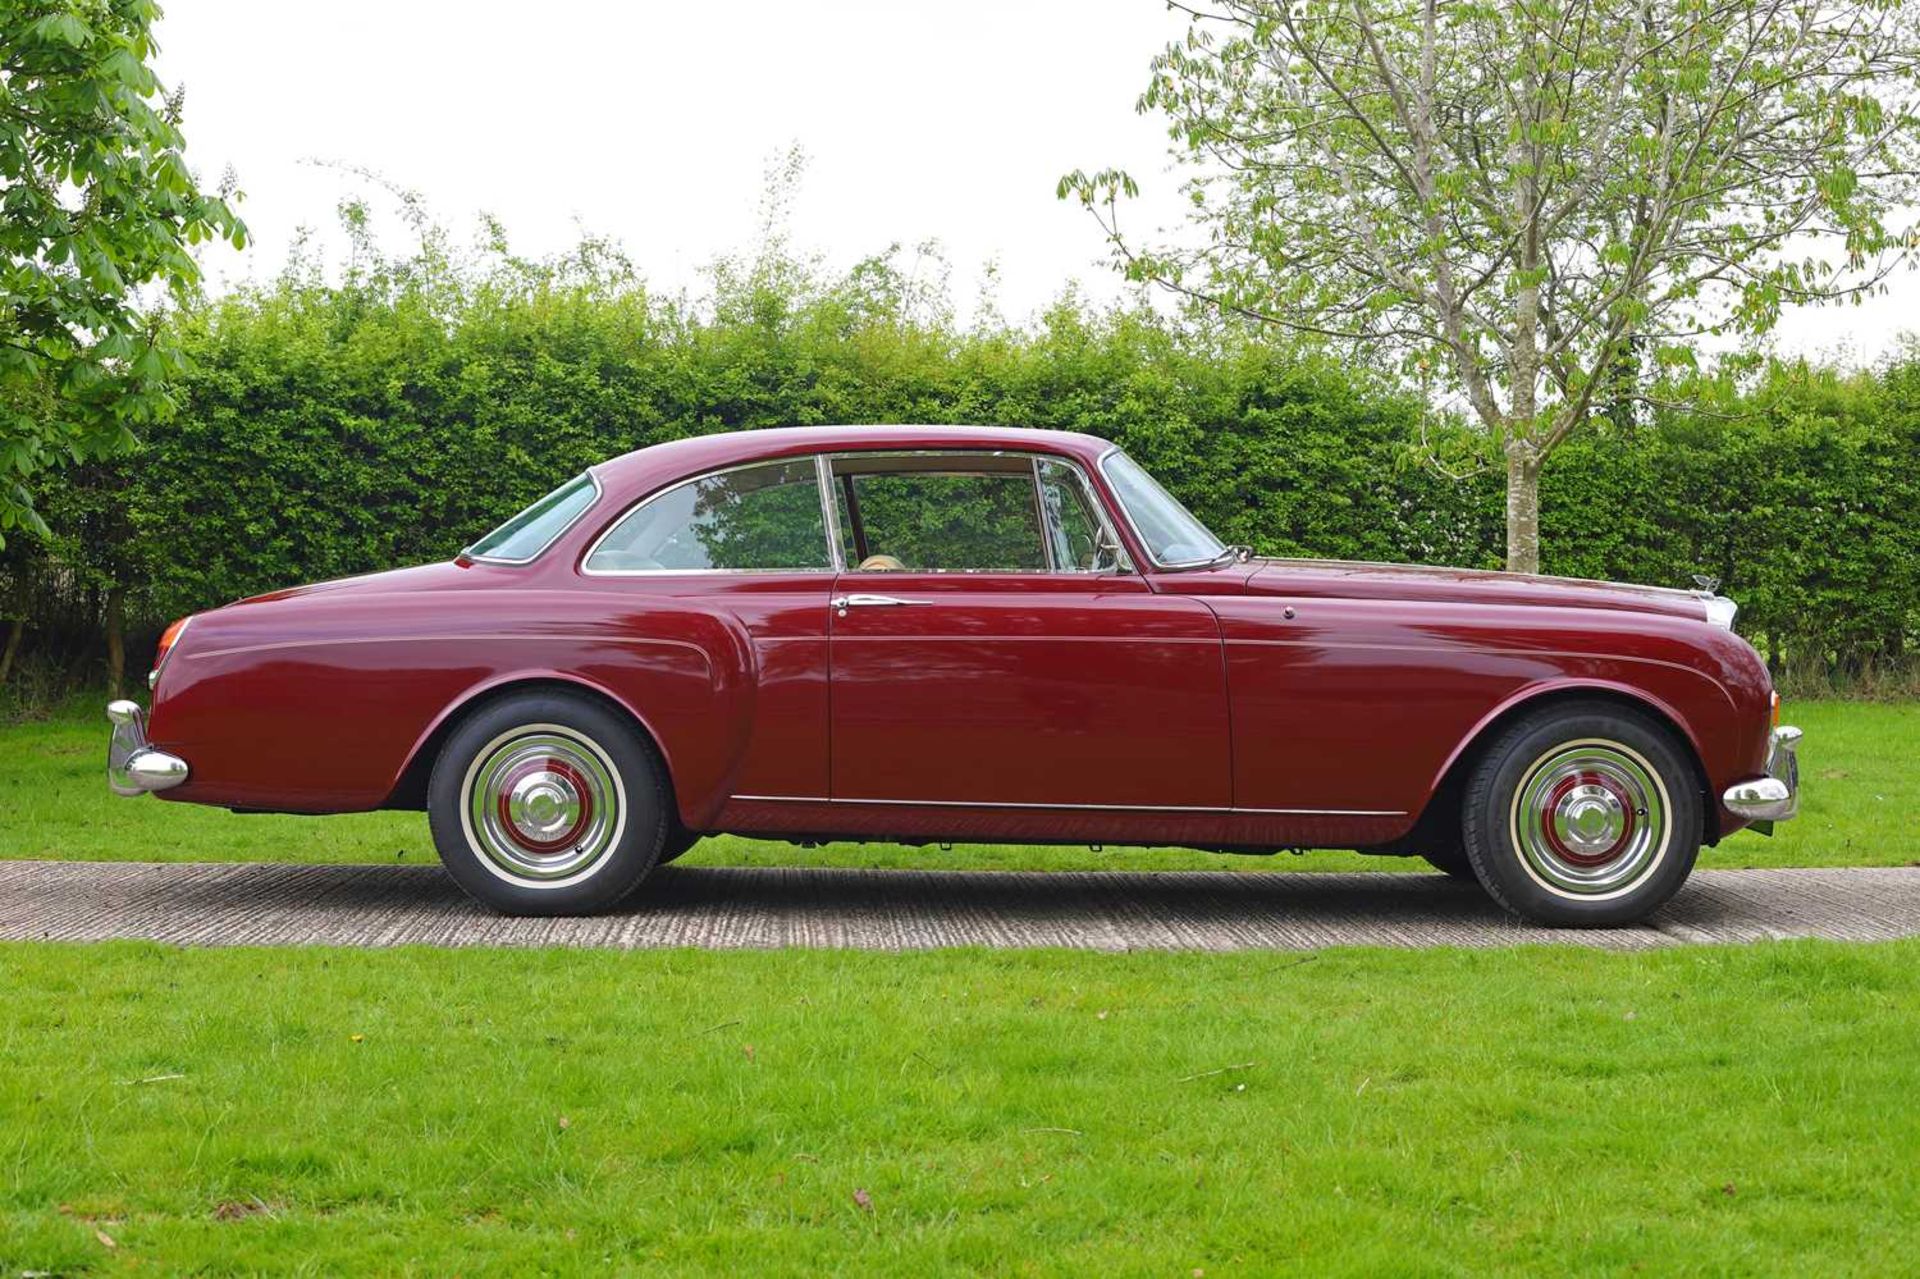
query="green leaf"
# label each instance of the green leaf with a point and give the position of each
(64, 28)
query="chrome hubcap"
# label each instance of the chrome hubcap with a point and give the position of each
(1590, 818)
(543, 804)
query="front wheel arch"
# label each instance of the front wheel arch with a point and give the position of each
(1439, 822)
(1583, 816)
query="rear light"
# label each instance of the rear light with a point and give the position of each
(168, 638)
(1776, 710)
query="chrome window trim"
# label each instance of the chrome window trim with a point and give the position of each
(1034, 459)
(829, 513)
(1124, 566)
(833, 454)
(830, 520)
(1040, 520)
(1145, 546)
(581, 514)
(798, 460)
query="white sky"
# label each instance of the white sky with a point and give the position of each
(655, 123)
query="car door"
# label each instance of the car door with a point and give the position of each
(737, 564)
(988, 647)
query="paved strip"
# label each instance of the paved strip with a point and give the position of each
(200, 904)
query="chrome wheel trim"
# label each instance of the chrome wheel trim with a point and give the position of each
(1591, 820)
(543, 806)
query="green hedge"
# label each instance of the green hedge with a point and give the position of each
(329, 430)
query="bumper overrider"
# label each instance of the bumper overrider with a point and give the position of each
(134, 767)
(1775, 797)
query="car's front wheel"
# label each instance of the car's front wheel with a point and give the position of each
(1583, 815)
(548, 803)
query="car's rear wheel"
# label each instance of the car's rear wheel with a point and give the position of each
(1583, 815)
(548, 803)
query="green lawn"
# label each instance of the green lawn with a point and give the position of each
(1741, 1110)
(1532, 1110)
(1861, 789)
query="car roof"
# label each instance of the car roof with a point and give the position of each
(678, 459)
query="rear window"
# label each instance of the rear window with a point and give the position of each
(534, 529)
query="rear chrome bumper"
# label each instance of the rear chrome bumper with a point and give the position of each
(1775, 797)
(133, 766)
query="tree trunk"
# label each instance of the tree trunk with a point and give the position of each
(1523, 509)
(116, 623)
(14, 634)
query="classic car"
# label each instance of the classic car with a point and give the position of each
(934, 634)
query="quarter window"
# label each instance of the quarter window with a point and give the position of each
(530, 532)
(1082, 542)
(763, 518)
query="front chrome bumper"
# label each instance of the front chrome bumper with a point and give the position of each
(133, 766)
(1775, 797)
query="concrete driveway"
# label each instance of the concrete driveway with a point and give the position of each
(256, 905)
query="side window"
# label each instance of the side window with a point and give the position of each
(909, 517)
(1080, 537)
(527, 534)
(756, 517)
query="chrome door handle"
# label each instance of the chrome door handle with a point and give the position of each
(841, 603)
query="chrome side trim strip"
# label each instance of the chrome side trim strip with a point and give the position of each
(1321, 812)
(586, 638)
(1105, 808)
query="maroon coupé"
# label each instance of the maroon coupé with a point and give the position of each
(927, 634)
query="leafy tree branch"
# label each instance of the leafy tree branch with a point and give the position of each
(1550, 203)
(96, 201)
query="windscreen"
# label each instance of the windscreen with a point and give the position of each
(1173, 536)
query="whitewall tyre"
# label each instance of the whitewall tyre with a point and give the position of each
(548, 803)
(1585, 814)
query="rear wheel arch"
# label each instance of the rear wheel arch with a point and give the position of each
(410, 789)
(547, 802)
